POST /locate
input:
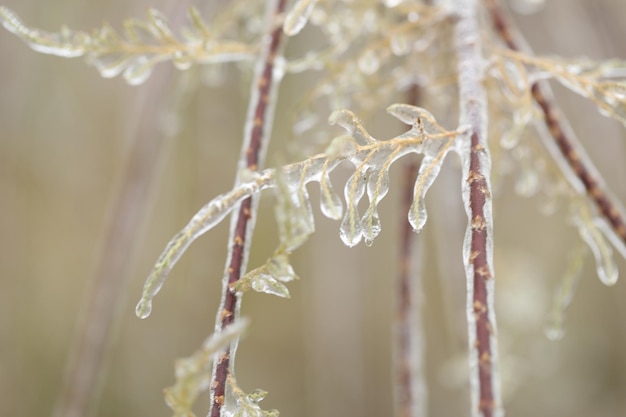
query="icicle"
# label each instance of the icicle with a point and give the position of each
(298, 16)
(351, 229)
(429, 169)
(601, 249)
(138, 70)
(330, 203)
(347, 120)
(564, 294)
(209, 216)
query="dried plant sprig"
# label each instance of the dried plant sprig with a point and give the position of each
(144, 44)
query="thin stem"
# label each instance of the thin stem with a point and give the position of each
(560, 131)
(478, 248)
(410, 395)
(256, 138)
(86, 363)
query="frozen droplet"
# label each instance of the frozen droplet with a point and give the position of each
(110, 64)
(554, 333)
(400, 44)
(138, 70)
(144, 308)
(269, 285)
(606, 267)
(564, 294)
(368, 62)
(429, 169)
(182, 60)
(351, 230)
(298, 16)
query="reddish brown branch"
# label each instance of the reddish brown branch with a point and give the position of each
(566, 145)
(477, 197)
(252, 153)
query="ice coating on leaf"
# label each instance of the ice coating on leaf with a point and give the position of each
(347, 120)
(208, 216)
(330, 202)
(601, 249)
(298, 16)
(193, 374)
(351, 229)
(429, 169)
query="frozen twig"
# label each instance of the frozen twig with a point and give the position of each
(410, 387)
(478, 246)
(256, 138)
(562, 134)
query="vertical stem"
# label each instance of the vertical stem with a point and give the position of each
(256, 138)
(410, 388)
(562, 134)
(86, 363)
(478, 246)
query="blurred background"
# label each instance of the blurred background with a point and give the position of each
(96, 176)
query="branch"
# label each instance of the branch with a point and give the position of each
(478, 246)
(560, 131)
(410, 387)
(256, 138)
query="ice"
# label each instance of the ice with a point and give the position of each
(369, 62)
(111, 64)
(298, 16)
(209, 216)
(606, 267)
(351, 230)
(330, 202)
(138, 70)
(429, 169)
(66, 44)
(564, 294)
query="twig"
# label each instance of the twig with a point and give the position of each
(256, 138)
(409, 384)
(478, 249)
(559, 129)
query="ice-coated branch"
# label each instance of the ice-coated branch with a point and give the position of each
(143, 45)
(268, 75)
(372, 159)
(478, 244)
(564, 146)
